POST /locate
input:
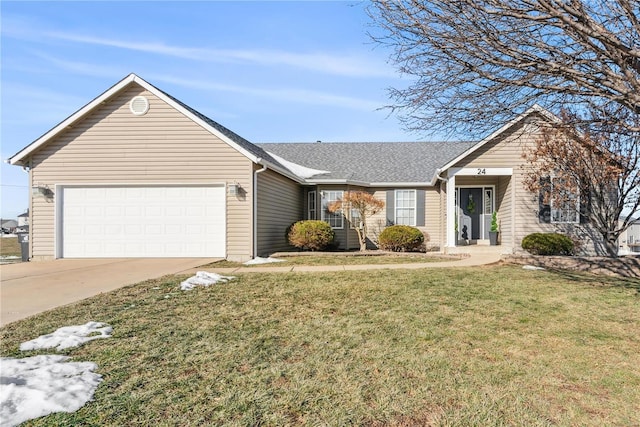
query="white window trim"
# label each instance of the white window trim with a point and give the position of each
(311, 196)
(352, 225)
(551, 209)
(322, 209)
(415, 207)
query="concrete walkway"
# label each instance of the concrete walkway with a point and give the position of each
(29, 288)
(473, 260)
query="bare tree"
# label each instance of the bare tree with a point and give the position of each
(357, 207)
(588, 174)
(476, 63)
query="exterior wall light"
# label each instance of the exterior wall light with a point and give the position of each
(40, 190)
(234, 189)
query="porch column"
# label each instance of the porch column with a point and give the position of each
(451, 212)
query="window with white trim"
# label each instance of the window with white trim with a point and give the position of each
(311, 205)
(355, 218)
(335, 220)
(564, 202)
(405, 206)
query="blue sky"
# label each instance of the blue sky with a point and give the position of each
(270, 71)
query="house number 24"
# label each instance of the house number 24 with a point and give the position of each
(482, 171)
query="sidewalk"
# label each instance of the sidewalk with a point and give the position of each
(473, 260)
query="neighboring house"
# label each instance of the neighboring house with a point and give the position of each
(23, 219)
(629, 242)
(8, 225)
(137, 173)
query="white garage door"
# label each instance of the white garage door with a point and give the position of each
(141, 222)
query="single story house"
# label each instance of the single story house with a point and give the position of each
(8, 225)
(137, 173)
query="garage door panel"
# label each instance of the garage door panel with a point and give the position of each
(168, 221)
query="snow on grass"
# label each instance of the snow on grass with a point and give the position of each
(69, 336)
(36, 386)
(532, 267)
(259, 260)
(299, 170)
(203, 278)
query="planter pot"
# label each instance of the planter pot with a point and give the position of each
(493, 238)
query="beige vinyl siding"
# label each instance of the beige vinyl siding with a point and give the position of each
(504, 208)
(443, 215)
(111, 146)
(432, 222)
(280, 204)
(505, 151)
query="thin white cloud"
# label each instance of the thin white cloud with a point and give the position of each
(344, 65)
(292, 95)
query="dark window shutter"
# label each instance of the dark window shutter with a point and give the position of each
(420, 195)
(391, 207)
(585, 207)
(544, 197)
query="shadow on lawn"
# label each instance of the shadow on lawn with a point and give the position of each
(600, 279)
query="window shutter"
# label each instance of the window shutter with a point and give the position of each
(420, 207)
(585, 207)
(391, 207)
(544, 208)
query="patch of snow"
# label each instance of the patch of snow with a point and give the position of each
(203, 278)
(532, 267)
(36, 386)
(299, 170)
(259, 260)
(69, 336)
(3, 257)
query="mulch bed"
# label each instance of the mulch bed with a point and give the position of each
(626, 266)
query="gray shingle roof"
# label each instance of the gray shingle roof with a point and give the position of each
(371, 162)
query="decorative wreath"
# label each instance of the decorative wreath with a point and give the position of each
(471, 205)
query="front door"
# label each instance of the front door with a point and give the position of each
(471, 204)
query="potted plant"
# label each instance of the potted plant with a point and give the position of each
(493, 234)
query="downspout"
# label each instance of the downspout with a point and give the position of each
(255, 208)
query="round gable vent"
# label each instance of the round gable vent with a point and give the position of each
(139, 105)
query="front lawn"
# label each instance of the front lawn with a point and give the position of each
(9, 246)
(475, 346)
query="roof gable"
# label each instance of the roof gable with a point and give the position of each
(249, 150)
(535, 109)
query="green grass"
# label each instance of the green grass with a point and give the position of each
(9, 246)
(478, 346)
(338, 259)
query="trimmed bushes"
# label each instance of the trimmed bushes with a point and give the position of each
(548, 244)
(311, 235)
(401, 238)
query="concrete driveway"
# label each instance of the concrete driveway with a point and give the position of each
(32, 287)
